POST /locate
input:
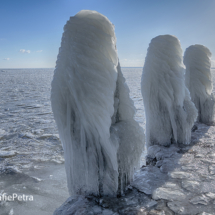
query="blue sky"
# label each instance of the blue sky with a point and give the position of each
(31, 30)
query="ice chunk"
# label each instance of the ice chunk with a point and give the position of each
(153, 150)
(204, 200)
(211, 155)
(27, 135)
(168, 194)
(91, 105)
(192, 186)
(199, 81)
(167, 165)
(177, 207)
(181, 175)
(7, 154)
(149, 179)
(11, 212)
(204, 213)
(2, 133)
(210, 195)
(44, 136)
(212, 170)
(208, 186)
(199, 156)
(37, 131)
(170, 113)
(151, 204)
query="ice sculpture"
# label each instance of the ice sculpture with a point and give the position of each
(170, 113)
(199, 81)
(92, 108)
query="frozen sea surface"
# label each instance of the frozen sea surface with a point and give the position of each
(31, 155)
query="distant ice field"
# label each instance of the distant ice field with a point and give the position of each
(29, 144)
(31, 155)
(27, 127)
(28, 132)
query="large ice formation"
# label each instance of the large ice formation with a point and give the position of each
(92, 108)
(170, 113)
(199, 81)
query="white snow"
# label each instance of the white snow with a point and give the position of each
(170, 113)
(91, 105)
(199, 81)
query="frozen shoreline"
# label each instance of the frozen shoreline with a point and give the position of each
(47, 185)
(176, 181)
(24, 110)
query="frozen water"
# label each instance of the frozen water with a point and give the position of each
(23, 130)
(94, 114)
(203, 200)
(168, 194)
(182, 190)
(24, 156)
(42, 155)
(170, 113)
(192, 186)
(33, 87)
(199, 81)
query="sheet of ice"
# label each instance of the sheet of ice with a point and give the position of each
(92, 108)
(187, 188)
(20, 88)
(170, 113)
(32, 86)
(198, 79)
(23, 152)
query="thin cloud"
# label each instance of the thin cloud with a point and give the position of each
(24, 51)
(39, 50)
(6, 58)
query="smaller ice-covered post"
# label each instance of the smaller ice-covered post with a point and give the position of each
(170, 113)
(199, 81)
(95, 116)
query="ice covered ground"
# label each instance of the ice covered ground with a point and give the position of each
(175, 181)
(31, 156)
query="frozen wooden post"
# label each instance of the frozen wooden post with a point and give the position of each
(92, 108)
(199, 81)
(170, 113)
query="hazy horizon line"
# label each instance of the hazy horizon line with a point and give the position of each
(54, 67)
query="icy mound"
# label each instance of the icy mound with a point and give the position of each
(91, 105)
(170, 113)
(199, 81)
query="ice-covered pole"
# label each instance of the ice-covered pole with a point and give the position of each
(92, 109)
(170, 113)
(199, 81)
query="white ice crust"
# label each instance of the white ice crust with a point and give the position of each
(91, 105)
(170, 113)
(199, 81)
